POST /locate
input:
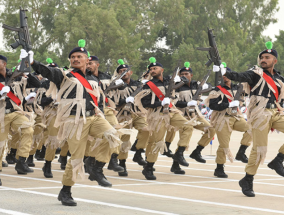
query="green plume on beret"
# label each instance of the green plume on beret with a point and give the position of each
(186, 64)
(121, 62)
(13, 69)
(49, 60)
(89, 54)
(81, 43)
(269, 45)
(225, 65)
(152, 60)
(19, 60)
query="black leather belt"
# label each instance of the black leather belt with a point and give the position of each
(10, 110)
(270, 106)
(87, 113)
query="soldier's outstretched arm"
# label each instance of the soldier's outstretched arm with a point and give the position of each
(248, 76)
(33, 81)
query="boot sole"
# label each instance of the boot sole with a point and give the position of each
(218, 176)
(92, 179)
(200, 161)
(65, 204)
(151, 179)
(240, 183)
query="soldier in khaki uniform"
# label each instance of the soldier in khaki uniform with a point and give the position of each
(184, 101)
(12, 116)
(153, 104)
(265, 111)
(78, 118)
(221, 101)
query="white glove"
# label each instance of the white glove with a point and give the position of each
(31, 95)
(283, 105)
(223, 69)
(234, 104)
(166, 101)
(191, 103)
(130, 99)
(5, 89)
(119, 81)
(216, 68)
(144, 81)
(24, 54)
(205, 86)
(177, 79)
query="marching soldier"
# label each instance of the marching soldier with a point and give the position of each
(264, 112)
(78, 117)
(221, 101)
(154, 100)
(185, 94)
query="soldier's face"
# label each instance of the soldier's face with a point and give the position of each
(186, 74)
(93, 66)
(156, 71)
(226, 80)
(127, 75)
(267, 61)
(78, 60)
(3, 64)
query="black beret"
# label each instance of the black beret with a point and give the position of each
(93, 58)
(3, 58)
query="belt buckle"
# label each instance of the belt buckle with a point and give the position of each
(272, 106)
(88, 113)
(7, 111)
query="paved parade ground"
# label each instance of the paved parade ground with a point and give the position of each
(196, 192)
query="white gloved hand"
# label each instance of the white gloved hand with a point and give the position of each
(223, 69)
(24, 54)
(31, 95)
(216, 68)
(130, 99)
(26, 73)
(119, 81)
(177, 79)
(144, 81)
(191, 103)
(234, 104)
(166, 101)
(205, 86)
(5, 89)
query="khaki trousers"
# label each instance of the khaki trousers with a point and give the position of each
(224, 138)
(204, 126)
(15, 122)
(64, 149)
(260, 140)
(96, 127)
(157, 137)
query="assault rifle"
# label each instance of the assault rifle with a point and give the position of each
(213, 56)
(23, 40)
(237, 97)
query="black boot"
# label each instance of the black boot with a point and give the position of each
(148, 171)
(30, 161)
(42, 154)
(58, 150)
(89, 163)
(169, 153)
(65, 196)
(138, 158)
(37, 154)
(277, 164)
(241, 156)
(176, 169)
(97, 174)
(4, 164)
(196, 154)
(0, 182)
(178, 156)
(247, 185)
(22, 167)
(63, 162)
(133, 147)
(113, 164)
(122, 164)
(47, 170)
(11, 157)
(219, 171)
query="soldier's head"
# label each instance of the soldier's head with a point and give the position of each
(3, 63)
(226, 80)
(156, 69)
(186, 71)
(268, 57)
(123, 67)
(79, 56)
(93, 65)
